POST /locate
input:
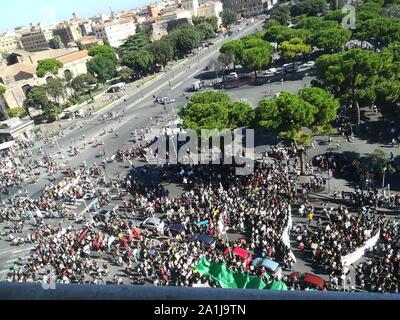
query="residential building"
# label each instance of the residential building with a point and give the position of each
(152, 11)
(37, 39)
(159, 29)
(211, 9)
(14, 129)
(116, 32)
(190, 5)
(86, 28)
(90, 41)
(9, 42)
(208, 9)
(20, 77)
(100, 18)
(69, 32)
(178, 14)
(248, 8)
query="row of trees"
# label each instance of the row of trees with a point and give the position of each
(321, 33)
(292, 116)
(252, 52)
(143, 57)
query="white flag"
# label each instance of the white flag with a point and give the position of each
(110, 241)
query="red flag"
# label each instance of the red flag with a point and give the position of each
(83, 235)
(126, 246)
(135, 233)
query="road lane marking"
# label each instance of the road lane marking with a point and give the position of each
(177, 85)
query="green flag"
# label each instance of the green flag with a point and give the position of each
(278, 285)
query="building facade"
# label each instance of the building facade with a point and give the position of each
(9, 42)
(20, 77)
(68, 32)
(248, 8)
(211, 9)
(36, 39)
(115, 33)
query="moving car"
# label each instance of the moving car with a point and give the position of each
(165, 100)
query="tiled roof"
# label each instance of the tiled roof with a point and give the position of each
(73, 56)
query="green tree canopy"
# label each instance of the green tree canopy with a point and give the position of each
(288, 114)
(141, 62)
(215, 110)
(279, 34)
(308, 7)
(331, 39)
(271, 23)
(290, 49)
(162, 51)
(234, 48)
(102, 67)
(229, 17)
(103, 50)
(2, 90)
(211, 20)
(352, 75)
(257, 56)
(48, 65)
(324, 101)
(37, 99)
(55, 88)
(185, 40)
(134, 43)
(83, 81)
(206, 30)
(336, 15)
(281, 15)
(126, 74)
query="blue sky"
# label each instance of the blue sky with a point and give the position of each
(21, 12)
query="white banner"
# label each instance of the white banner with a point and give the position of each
(286, 233)
(359, 253)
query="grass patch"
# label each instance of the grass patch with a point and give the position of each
(103, 107)
(148, 79)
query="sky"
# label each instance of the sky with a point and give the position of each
(22, 12)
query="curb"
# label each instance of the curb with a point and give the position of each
(110, 105)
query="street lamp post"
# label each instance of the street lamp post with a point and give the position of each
(383, 177)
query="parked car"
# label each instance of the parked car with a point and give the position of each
(244, 255)
(271, 266)
(308, 65)
(270, 72)
(233, 76)
(153, 223)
